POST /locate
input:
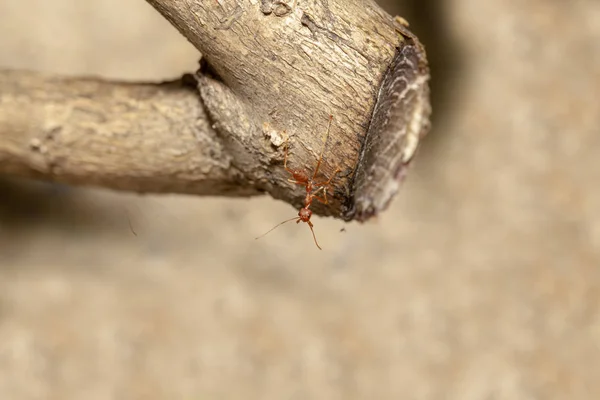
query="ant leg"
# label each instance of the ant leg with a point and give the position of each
(310, 225)
(324, 185)
(289, 170)
(321, 199)
(296, 182)
(285, 157)
(324, 145)
(328, 181)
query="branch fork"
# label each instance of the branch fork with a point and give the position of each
(270, 69)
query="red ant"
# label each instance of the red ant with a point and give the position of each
(300, 177)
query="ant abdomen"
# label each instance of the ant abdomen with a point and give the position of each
(299, 175)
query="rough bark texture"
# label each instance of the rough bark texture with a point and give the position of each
(138, 137)
(273, 71)
(285, 66)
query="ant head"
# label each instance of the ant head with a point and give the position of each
(304, 214)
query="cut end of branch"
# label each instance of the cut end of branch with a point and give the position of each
(400, 119)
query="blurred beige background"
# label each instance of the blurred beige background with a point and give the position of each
(481, 282)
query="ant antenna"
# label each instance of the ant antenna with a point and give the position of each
(310, 225)
(323, 149)
(278, 225)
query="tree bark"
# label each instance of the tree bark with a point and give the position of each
(272, 72)
(138, 137)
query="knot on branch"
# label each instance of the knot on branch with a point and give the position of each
(278, 8)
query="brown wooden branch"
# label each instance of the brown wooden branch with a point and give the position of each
(272, 71)
(138, 137)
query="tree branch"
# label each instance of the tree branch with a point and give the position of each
(138, 137)
(271, 70)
